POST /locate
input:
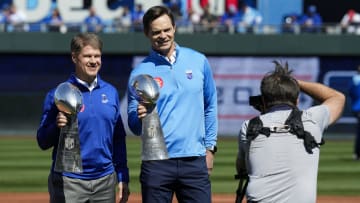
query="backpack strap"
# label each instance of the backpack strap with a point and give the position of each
(255, 127)
(294, 121)
(296, 127)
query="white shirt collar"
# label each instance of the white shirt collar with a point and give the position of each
(90, 86)
(172, 57)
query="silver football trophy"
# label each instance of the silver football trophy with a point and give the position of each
(146, 90)
(68, 99)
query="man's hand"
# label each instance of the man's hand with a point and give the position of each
(124, 192)
(209, 161)
(61, 120)
(141, 111)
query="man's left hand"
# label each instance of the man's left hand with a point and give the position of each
(209, 161)
(124, 192)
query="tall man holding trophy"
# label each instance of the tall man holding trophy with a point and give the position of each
(81, 121)
(176, 116)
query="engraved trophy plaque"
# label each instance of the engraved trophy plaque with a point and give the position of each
(68, 99)
(146, 90)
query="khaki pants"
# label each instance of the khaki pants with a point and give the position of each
(70, 190)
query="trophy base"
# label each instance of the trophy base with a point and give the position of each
(153, 143)
(68, 158)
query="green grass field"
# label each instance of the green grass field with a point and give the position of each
(24, 167)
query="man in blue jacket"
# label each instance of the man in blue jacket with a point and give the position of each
(187, 108)
(311, 21)
(354, 93)
(101, 133)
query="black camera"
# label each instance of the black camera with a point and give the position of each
(257, 103)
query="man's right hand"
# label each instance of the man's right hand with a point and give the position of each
(141, 111)
(61, 120)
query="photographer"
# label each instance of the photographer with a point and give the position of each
(279, 150)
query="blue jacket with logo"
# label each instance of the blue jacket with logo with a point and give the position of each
(101, 132)
(187, 104)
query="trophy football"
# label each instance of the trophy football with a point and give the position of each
(146, 90)
(68, 99)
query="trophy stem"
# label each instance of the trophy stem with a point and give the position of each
(153, 143)
(68, 158)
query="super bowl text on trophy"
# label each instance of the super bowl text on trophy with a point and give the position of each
(146, 90)
(68, 99)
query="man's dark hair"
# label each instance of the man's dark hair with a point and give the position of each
(279, 87)
(153, 13)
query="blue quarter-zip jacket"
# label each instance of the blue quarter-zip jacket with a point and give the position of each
(101, 132)
(354, 93)
(187, 104)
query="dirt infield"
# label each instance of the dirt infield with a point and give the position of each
(135, 198)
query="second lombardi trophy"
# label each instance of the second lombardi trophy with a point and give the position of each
(146, 90)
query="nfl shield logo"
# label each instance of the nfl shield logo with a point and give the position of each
(69, 143)
(189, 74)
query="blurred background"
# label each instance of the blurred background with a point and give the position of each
(319, 39)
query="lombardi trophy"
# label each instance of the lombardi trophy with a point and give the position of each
(68, 99)
(146, 90)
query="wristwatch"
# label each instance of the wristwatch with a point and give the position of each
(212, 149)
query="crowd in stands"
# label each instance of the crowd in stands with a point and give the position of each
(13, 18)
(351, 22)
(309, 22)
(238, 17)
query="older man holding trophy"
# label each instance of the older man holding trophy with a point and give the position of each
(81, 121)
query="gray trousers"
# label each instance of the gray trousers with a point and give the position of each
(69, 190)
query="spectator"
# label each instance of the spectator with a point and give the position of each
(208, 21)
(188, 23)
(193, 16)
(249, 18)
(229, 19)
(137, 16)
(15, 19)
(54, 22)
(3, 16)
(229, 3)
(93, 22)
(350, 22)
(123, 23)
(290, 23)
(175, 7)
(355, 107)
(311, 21)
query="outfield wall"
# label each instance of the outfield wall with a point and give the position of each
(211, 44)
(31, 63)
